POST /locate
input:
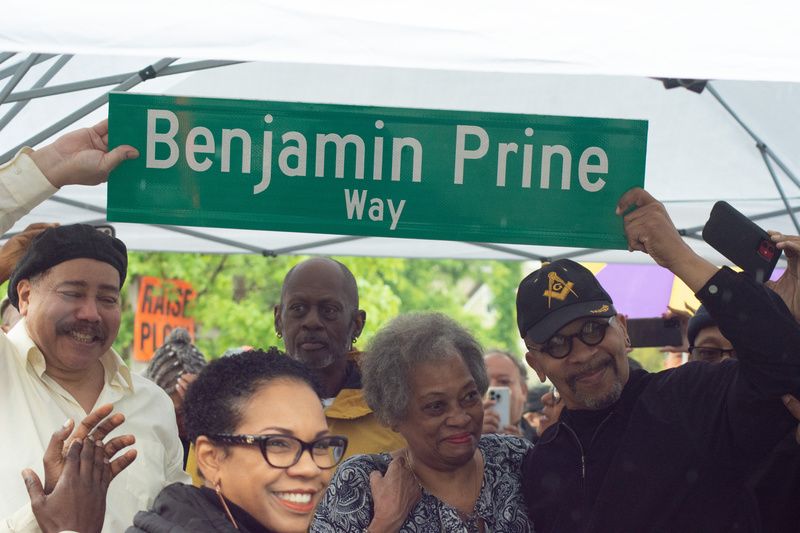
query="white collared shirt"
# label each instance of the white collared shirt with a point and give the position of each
(22, 187)
(34, 406)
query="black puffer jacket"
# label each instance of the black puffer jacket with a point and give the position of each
(183, 508)
(674, 453)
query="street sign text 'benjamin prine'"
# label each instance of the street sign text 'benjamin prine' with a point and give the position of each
(392, 172)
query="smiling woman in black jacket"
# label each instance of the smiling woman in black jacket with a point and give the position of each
(262, 445)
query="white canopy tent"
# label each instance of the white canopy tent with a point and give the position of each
(574, 58)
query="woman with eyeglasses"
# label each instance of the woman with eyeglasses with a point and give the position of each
(263, 448)
(424, 376)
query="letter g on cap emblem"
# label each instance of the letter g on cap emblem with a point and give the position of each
(557, 288)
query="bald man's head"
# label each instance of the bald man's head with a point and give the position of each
(318, 315)
(348, 280)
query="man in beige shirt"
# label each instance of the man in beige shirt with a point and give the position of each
(57, 363)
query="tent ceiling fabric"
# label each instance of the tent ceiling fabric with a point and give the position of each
(678, 39)
(475, 60)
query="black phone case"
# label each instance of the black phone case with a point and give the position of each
(741, 241)
(654, 332)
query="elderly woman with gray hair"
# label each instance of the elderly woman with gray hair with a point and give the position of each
(424, 376)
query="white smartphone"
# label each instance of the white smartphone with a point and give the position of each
(502, 406)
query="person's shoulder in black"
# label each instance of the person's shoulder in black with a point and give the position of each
(181, 507)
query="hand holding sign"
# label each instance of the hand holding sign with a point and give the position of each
(649, 229)
(81, 157)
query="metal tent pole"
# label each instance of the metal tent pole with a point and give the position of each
(41, 82)
(315, 244)
(5, 56)
(779, 187)
(510, 251)
(22, 69)
(40, 92)
(147, 73)
(11, 69)
(175, 229)
(692, 231)
(759, 143)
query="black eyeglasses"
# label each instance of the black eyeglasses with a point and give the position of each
(710, 354)
(284, 451)
(559, 346)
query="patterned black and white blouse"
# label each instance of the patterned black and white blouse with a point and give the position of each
(347, 504)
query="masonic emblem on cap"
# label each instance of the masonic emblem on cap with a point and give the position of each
(557, 288)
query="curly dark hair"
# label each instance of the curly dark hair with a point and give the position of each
(215, 400)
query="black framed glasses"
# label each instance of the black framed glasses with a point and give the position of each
(591, 333)
(712, 354)
(284, 451)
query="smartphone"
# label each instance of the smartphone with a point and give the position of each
(502, 398)
(656, 332)
(741, 241)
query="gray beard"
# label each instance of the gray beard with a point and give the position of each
(592, 400)
(601, 402)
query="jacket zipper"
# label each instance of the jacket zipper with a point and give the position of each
(580, 446)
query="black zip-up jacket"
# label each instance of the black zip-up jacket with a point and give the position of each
(180, 508)
(673, 454)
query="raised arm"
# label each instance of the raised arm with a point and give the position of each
(743, 397)
(80, 157)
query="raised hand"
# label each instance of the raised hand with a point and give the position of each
(649, 229)
(394, 495)
(81, 157)
(788, 285)
(96, 426)
(78, 500)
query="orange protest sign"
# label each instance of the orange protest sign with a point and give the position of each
(160, 307)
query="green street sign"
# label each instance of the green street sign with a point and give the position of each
(389, 172)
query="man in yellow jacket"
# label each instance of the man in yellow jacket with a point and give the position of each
(319, 320)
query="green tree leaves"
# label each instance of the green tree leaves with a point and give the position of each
(236, 295)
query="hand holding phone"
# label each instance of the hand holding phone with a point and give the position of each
(655, 332)
(501, 396)
(741, 241)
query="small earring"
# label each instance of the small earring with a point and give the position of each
(218, 489)
(279, 334)
(628, 342)
(355, 338)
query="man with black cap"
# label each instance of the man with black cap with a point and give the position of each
(57, 362)
(666, 452)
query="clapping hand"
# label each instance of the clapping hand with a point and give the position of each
(95, 427)
(78, 500)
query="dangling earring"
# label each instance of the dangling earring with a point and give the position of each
(628, 342)
(355, 338)
(218, 489)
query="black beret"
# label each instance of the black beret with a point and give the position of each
(63, 243)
